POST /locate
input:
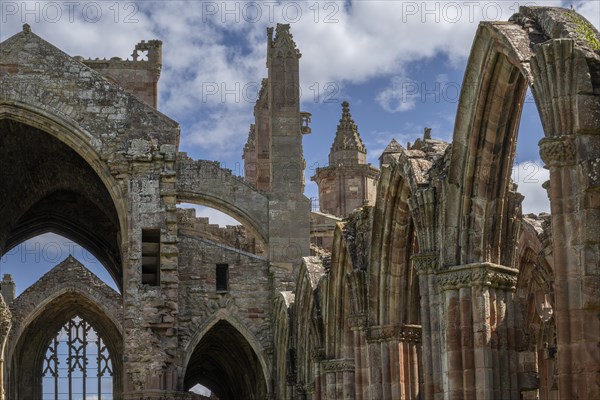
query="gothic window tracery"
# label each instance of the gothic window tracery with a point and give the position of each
(77, 364)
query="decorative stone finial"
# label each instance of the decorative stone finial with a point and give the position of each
(283, 40)
(347, 139)
(346, 121)
(26, 28)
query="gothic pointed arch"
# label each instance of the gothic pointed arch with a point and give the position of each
(535, 309)
(308, 324)
(241, 372)
(48, 186)
(39, 313)
(392, 280)
(540, 47)
(206, 183)
(284, 362)
(394, 333)
(505, 59)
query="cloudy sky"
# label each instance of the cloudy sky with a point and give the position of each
(400, 64)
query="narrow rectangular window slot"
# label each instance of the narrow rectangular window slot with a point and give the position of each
(151, 257)
(222, 277)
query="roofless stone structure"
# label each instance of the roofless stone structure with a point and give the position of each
(436, 287)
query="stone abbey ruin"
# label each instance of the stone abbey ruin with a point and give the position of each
(420, 279)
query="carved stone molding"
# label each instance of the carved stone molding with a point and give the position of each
(558, 151)
(479, 274)
(337, 365)
(425, 263)
(309, 388)
(357, 322)
(5, 320)
(318, 354)
(401, 333)
(300, 388)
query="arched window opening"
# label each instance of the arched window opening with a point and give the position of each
(215, 226)
(77, 364)
(528, 169)
(47, 186)
(214, 216)
(31, 259)
(224, 363)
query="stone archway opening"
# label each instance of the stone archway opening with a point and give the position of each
(226, 364)
(47, 186)
(213, 225)
(33, 369)
(528, 171)
(30, 260)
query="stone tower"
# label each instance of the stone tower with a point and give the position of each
(348, 182)
(273, 156)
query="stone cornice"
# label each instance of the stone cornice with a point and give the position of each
(318, 354)
(357, 321)
(402, 333)
(337, 365)
(477, 275)
(426, 263)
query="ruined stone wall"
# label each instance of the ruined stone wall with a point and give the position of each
(246, 302)
(138, 76)
(441, 290)
(233, 236)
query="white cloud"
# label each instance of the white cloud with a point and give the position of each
(341, 42)
(400, 96)
(219, 132)
(529, 176)
(590, 9)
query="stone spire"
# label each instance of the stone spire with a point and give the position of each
(283, 41)
(347, 147)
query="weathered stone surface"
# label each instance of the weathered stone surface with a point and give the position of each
(435, 287)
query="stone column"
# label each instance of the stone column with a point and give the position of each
(426, 265)
(151, 311)
(393, 362)
(5, 325)
(318, 384)
(339, 377)
(361, 365)
(478, 355)
(574, 191)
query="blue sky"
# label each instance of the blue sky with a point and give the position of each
(400, 64)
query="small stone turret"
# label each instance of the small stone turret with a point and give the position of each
(348, 182)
